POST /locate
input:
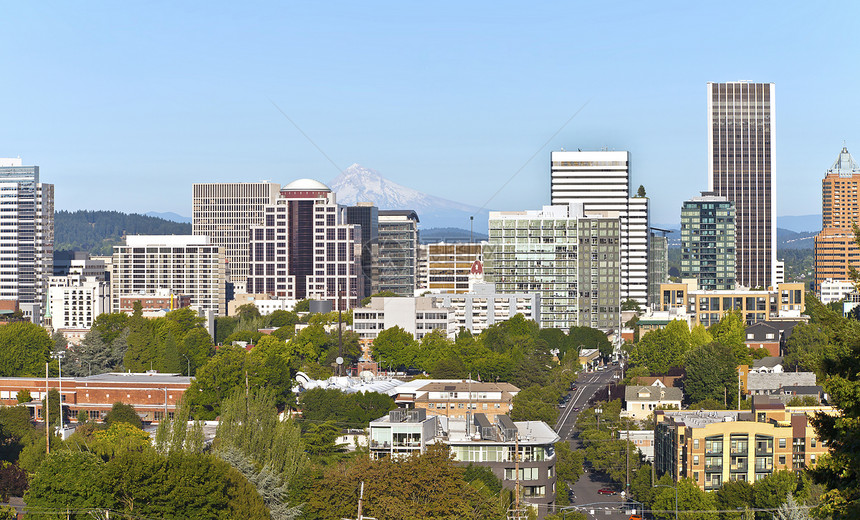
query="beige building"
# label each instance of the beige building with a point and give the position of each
(446, 267)
(225, 212)
(180, 264)
(787, 301)
(712, 447)
(455, 398)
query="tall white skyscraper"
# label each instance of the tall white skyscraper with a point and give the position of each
(600, 181)
(26, 235)
(225, 213)
(741, 148)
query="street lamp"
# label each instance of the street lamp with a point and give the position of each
(188, 361)
(675, 487)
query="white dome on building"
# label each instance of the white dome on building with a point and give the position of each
(306, 185)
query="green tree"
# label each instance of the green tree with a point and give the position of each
(250, 425)
(281, 318)
(662, 349)
(731, 331)
(196, 349)
(109, 326)
(125, 413)
(23, 396)
(247, 311)
(770, 492)
(568, 468)
(141, 354)
(641, 191)
(394, 348)
(586, 337)
(67, 481)
(384, 294)
(54, 408)
(186, 319)
(24, 349)
(711, 373)
(806, 348)
(735, 495)
(690, 499)
(222, 375)
(303, 306)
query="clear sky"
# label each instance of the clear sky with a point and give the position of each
(124, 105)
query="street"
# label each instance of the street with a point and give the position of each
(587, 499)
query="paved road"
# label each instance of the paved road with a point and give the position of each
(585, 489)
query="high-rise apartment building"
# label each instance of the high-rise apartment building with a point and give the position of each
(658, 267)
(366, 215)
(600, 181)
(181, 264)
(398, 251)
(570, 258)
(835, 248)
(75, 301)
(26, 236)
(741, 148)
(447, 267)
(708, 242)
(304, 248)
(225, 212)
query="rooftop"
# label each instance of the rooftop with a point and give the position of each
(631, 393)
(306, 185)
(166, 240)
(775, 381)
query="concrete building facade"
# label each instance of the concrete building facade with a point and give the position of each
(418, 316)
(835, 248)
(484, 307)
(304, 248)
(179, 264)
(600, 181)
(398, 251)
(26, 236)
(225, 212)
(572, 260)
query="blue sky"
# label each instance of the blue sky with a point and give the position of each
(125, 105)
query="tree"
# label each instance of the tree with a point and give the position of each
(690, 499)
(731, 331)
(141, 354)
(662, 349)
(791, 510)
(346, 410)
(384, 294)
(217, 379)
(186, 319)
(770, 492)
(568, 468)
(24, 349)
(711, 373)
(250, 425)
(196, 349)
(641, 191)
(13, 481)
(23, 396)
(109, 326)
(402, 489)
(630, 305)
(281, 318)
(125, 413)
(394, 348)
(54, 407)
(303, 306)
(806, 348)
(67, 481)
(735, 495)
(586, 337)
(248, 311)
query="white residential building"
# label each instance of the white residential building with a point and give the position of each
(26, 236)
(225, 212)
(641, 401)
(417, 316)
(600, 181)
(484, 306)
(180, 264)
(76, 303)
(835, 290)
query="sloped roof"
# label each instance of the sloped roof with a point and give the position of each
(769, 362)
(844, 166)
(767, 381)
(655, 393)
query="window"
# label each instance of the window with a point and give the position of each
(782, 443)
(695, 444)
(695, 460)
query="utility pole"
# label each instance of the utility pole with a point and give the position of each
(47, 415)
(340, 330)
(360, 498)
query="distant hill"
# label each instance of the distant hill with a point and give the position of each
(800, 223)
(169, 215)
(786, 239)
(433, 235)
(98, 231)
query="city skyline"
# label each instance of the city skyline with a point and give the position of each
(126, 92)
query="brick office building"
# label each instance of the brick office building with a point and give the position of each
(152, 394)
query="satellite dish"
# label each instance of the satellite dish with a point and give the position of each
(339, 360)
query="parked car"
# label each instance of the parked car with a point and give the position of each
(606, 491)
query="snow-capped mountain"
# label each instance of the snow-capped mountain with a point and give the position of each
(360, 184)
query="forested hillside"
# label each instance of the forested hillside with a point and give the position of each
(98, 231)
